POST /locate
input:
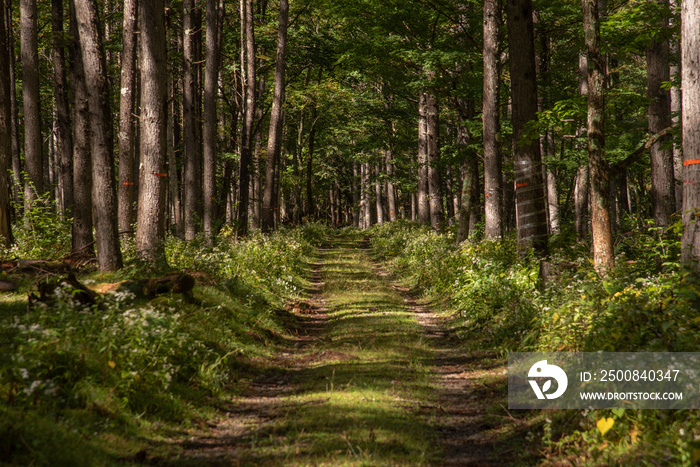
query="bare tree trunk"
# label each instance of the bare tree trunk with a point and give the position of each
(437, 218)
(5, 133)
(603, 254)
(390, 190)
(17, 177)
(249, 118)
(356, 189)
(192, 186)
(211, 79)
(493, 188)
(530, 197)
(465, 207)
(150, 218)
(274, 141)
(367, 212)
(33, 156)
(126, 186)
(675, 73)
(379, 204)
(104, 194)
(690, 83)
(423, 206)
(82, 239)
(64, 140)
(662, 181)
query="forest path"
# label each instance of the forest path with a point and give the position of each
(372, 378)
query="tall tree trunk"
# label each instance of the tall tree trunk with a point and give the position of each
(150, 218)
(247, 22)
(366, 211)
(274, 140)
(356, 189)
(126, 116)
(675, 73)
(493, 188)
(5, 133)
(530, 197)
(423, 206)
(437, 217)
(581, 184)
(192, 185)
(33, 157)
(82, 239)
(603, 254)
(469, 176)
(662, 183)
(64, 140)
(390, 190)
(379, 203)
(690, 83)
(104, 194)
(211, 79)
(17, 177)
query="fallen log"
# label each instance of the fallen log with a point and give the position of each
(36, 265)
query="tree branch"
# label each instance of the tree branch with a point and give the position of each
(639, 152)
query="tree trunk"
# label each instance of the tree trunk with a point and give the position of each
(437, 217)
(274, 141)
(17, 177)
(5, 133)
(530, 197)
(104, 194)
(465, 207)
(356, 189)
(493, 188)
(64, 140)
(675, 73)
(192, 180)
(662, 183)
(603, 254)
(82, 239)
(34, 162)
(126, 116)
(423, 206)
(379, 203)
(211, 79)
(390, 190)
(249, 119)
(690, 83)
(150, 218)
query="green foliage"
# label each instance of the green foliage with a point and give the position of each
(48, 236)
(130, 361)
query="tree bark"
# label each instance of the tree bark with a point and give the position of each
(662, 183)
(64, 140)
(690, 83)
(274, 140)
(379, 203)
(5, 133)
(17, 177)
(150, 218)
(390, 190)
(211, 79)
(675, 73)
(192, 180)
(530, 197)
(104, 194)
(82, 239)
(603, 254)
(437, 218)
(423, 206)
(126, 116)
(493, 188)
(247, 23)
(34, 162)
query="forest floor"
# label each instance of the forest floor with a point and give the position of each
(372, 377)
